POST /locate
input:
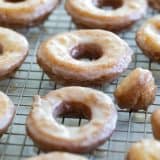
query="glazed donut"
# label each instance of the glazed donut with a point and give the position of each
(57, 156)
(87, 103)
(155, 121)
(13, 50)
(136, 91)
(155, 4)
(148, 38)
(92, 13)
(7, 112)
(144, 150)
(25, 13)
(63, 57)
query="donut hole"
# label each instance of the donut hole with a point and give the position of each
(15, 1)
(87, 52)
(108, 4)
(73, 110)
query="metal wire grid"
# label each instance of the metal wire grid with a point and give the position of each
(30, 80)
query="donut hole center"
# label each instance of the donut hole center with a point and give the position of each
(87, 52)
(72, 113)
(15, 1)
(108, 4)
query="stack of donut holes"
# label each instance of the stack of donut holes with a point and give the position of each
(88, 57)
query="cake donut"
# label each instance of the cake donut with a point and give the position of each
(13, 50)
(93, 13)
(7, 112)
(155, 121)
(137, 91)
(84, 57)
(147, 149)
(87, 103)
(57, 156)
(148, 37)
(25, 13)
(155, 4)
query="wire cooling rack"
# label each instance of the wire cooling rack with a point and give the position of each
(30, 80)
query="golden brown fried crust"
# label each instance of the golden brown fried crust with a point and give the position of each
(151, 54)
(37, 15)
(14, 49)
(137, 91)
(147, 149)
(155, 121)
(73, 71)
(148, 40)
(84, 16)
(25, 24)
(114, 28)
(69, 81)
(48, 135)
(72, 148)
